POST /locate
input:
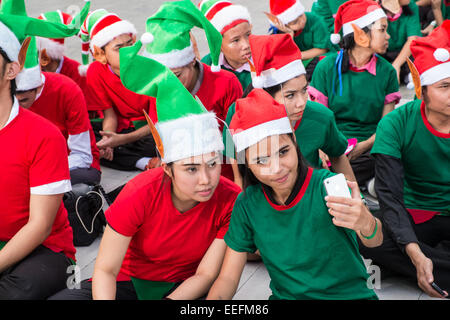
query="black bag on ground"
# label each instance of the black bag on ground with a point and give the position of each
(84, 206)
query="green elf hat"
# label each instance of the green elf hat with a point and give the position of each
(30, 77)
(184, 128)
(170, 27)
(13, 14)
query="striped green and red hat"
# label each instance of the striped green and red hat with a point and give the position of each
(224, 15)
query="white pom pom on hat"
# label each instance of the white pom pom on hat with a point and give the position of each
(441, 54)
(215, 68)
(147, 38)
(335, 38)
(258, 82)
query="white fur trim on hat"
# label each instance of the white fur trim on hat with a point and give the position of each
(364, 21)
(107, 34)
(54, 49)
(244, 139)
(29, 79)
(229, 14)
(292, 13)
(435, 74)
(9, 42)
(441, 54)
(273, 77)
(82, 69)
(175, 58)
(190, 136)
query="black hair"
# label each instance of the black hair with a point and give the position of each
(406, 10)
(249, 178)
(6, 61)
(270, 90)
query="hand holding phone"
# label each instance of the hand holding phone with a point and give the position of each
(438, 290)
(336, 186)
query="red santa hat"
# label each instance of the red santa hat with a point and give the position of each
(276, 59)
(224, 15)
(359, 12)
(432, 55)
(54, 47)
(286, 10)
(257, 116)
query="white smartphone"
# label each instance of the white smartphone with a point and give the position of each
(336, 186)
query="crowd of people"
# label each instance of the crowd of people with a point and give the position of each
(234, 148)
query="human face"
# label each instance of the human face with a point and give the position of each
(293, 95)
(437, 97)
(298, 24)
(111, 50)
(26, 98)
(379, 40)
(187, 75)
(235, 44)
(196, 178)
(274, 162)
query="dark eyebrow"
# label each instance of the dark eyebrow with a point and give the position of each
(198, 164)
(281, 149)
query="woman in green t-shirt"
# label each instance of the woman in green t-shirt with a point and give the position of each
(307, 240)
(359, 86)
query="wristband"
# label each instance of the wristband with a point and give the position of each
(433, 23)
(374, 231)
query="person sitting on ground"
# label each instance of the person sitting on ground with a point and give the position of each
(340, 81)
(122, 147)
(412, 156)
(284, 201)
(310, 33)
(36, 247)
(60, 100)
(164, 237)
(234, 24)
(280, 72)
(216, 88)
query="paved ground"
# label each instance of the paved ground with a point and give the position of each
(254, 282)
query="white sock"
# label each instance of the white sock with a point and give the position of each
(142, 162)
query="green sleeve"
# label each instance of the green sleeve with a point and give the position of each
(389, 135)
(226, 135)
(207, 59)
(413, 24)
(336, 143)
(392, 82)
(321, 36)
(322, 9)
(320, 76)
(239, 236)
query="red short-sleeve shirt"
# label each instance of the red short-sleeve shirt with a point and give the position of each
(167, 245)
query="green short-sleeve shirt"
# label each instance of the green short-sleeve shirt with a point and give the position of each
(404, 27)
(316, 130)
(314, 35)
(244, 77)
(326, 9)
(306, 255)
(425, 154)
(360, 108)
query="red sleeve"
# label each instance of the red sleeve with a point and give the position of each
(127, 212)
(77, 119)
(97, 97)
(47, 153)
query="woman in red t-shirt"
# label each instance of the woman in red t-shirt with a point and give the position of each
(165, 230)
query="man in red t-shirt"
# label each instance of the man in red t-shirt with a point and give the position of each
(35, 236)
(60, 100)
(121, 145)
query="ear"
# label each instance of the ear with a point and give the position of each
(23, 52)
(99, 55)
(361, 38)
(416, 78)
(13, 69)
(166, 170)
(44, 59)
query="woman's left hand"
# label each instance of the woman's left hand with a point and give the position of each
(351, 213)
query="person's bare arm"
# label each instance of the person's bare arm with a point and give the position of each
(341, 164)
(403, 55)
(113, 248)
(112, 139)
(207, 271)
(312, 53)
(43, 210)
(227, 282)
